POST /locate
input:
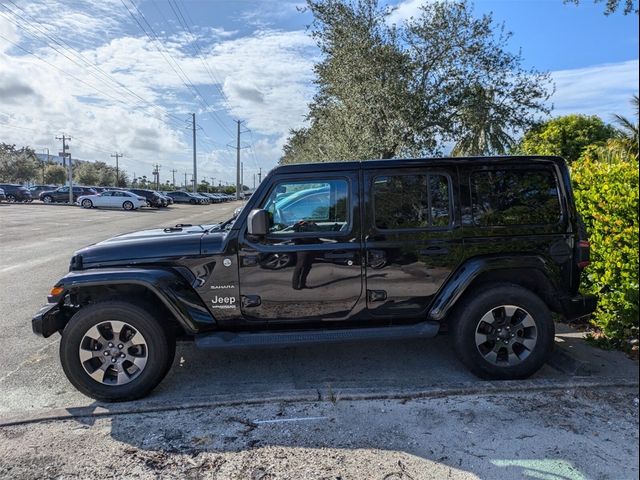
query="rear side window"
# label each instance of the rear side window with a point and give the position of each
(411, 201)
(515, 197)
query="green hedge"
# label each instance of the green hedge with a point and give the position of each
(606, 190)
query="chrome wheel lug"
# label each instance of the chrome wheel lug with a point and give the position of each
(122, 355)
(120, 346)
(106, 352)
(113, 360)
(110, 345)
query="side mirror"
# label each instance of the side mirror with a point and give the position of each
(258, 222)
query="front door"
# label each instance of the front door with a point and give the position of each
(308, 267)
(413, 238)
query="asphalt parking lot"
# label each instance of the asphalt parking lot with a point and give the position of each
(36, 243)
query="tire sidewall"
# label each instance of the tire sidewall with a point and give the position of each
(127, 205)
(475, 306)
(159, 356)
(87, 203)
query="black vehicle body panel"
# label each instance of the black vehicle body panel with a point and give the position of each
(152, 197)
(213, 280)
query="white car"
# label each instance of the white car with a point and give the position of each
(112, 199)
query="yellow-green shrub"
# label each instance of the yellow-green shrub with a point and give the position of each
(606, 189)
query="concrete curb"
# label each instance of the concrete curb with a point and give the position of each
(564, 361)
(333, 395)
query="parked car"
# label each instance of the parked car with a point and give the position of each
(61, 194)
(213, 198)
(152, 198)
(16, 193)
(112, 199)
(337, 252)
(100, 189)
(203, 199)
(166, 197)
(185, 197)
(2, 195)
(36, 190)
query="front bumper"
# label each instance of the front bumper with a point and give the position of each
(579, 306)
(48, 320)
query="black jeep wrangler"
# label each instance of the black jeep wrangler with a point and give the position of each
(335, 252)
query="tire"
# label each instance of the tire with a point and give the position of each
(127, 205)
(130, 382)
(11, 198)
(47, 199)
(86, 203)
(518, 320)
(148, 203)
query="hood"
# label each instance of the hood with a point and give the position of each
(147, 246)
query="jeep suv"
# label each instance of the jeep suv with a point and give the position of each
(487, 248)
(153, 199)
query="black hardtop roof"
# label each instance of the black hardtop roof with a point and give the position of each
(414, 162)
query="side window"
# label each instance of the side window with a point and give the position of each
(107, 194)
(515, 197)
(64, 189)
(411, 201)
(310, 206)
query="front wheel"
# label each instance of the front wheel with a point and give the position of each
(86, 203)
(11, 198)
(503, 332)
(127, 205)
(115, 351)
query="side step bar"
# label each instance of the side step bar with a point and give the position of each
(291, 338)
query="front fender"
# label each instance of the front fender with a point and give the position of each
(458, 283)
(168, 286)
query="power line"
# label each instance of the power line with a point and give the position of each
(66, 47)
(182, 75)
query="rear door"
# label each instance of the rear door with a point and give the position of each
(413, 239)
(308, 267)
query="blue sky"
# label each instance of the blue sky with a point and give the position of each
(248, 59)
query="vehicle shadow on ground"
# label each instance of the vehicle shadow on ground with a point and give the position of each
(329, 369)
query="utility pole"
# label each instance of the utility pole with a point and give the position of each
(173, 174)
(238, 163)
(185, 180)
(43, 164)
(156, 175)
(117, 155)
(254, 181)
(64, 155)
(260, 176)
(241, 177)
(195, 166)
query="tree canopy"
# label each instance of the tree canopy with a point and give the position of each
(566, 136)
(386, 90)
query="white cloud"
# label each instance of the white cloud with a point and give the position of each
(405, 10)
(597, 90)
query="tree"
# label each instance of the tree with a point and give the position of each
(611, 6)
(566, 136)
(18, 165)
(55, 174)
(627, 140)
(484, 132)
(85, 173)
(403, 90)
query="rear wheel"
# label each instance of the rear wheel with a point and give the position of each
(502, 332)
(47, 199)
(86, 203)
(115, 351)
(127, 205)
(11, 198)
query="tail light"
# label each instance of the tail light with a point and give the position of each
(584, 252)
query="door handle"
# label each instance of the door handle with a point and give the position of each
(434, 251)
